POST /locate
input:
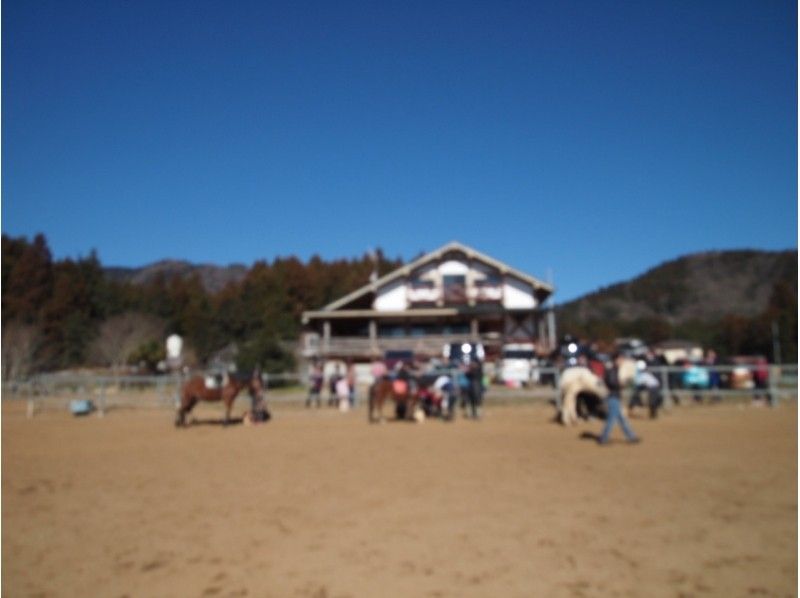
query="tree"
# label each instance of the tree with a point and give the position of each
(782, 311)
(27, 278)
(265, 351)
(119, 336)
(20, 349)
(149, 354)
(74, 310)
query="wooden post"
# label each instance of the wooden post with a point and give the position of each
(551, 328)
(373, 335)
(439, 278)
(469, 281)
(326, 336)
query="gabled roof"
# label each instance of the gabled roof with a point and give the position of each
(539, 287)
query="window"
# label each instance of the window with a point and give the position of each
(455, 288)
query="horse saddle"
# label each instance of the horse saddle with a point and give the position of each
(215, 382)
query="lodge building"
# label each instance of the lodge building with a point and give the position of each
(453, 294)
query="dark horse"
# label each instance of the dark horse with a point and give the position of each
(195, 390)
(386, 389)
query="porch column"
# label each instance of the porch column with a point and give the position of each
(473, 328)
(373, 336)
(439, 282)
(551, 327)
(326, 336)
(469, 281)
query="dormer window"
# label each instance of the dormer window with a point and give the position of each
(455, 288)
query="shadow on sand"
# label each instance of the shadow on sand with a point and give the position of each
(233, 421)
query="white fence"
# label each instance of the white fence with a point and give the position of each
(55, 391)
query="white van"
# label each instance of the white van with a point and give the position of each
(518, 364)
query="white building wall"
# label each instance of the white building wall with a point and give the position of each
(392, 297)
(453, 267)
(517, 294)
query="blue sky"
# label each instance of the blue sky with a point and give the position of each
(586, 140)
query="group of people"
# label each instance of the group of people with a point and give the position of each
(341, 387)
(439, 391)
(461, 384)
(704, 375)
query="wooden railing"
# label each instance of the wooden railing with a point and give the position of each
(429, 345)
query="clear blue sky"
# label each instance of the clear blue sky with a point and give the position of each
(589, 139)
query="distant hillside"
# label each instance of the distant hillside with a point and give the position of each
(214, 278)
(703, 286)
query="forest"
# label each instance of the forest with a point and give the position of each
(59, 314)
(68, 313)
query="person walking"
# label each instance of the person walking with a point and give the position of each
(614, 402)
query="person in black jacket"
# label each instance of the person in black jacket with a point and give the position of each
(615, 414)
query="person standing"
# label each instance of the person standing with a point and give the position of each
(614, 402)
(315, 380)
(475, 389)
(351, 382)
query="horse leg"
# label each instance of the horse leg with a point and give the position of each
(380, 399)
(568, 415)
(187, 403)
(228, 406)
(371, 405)
(180, 415)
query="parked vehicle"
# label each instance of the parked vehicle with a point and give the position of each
(518, 364)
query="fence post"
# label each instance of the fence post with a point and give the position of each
(772, 388)
(102, 411)
(666, 392)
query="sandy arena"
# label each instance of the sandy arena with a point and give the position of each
(321, 504)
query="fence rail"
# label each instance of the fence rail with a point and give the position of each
(112, 392)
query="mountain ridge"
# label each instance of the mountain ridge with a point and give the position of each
(702, 285)
(705, 285)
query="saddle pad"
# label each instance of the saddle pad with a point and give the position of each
(216, 382)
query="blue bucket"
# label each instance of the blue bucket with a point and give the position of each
(81, 407)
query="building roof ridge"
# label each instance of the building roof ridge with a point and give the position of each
(406, 269)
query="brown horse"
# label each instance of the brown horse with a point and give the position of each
(386, 389)
(195, 390)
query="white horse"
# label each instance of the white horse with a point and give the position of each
(579, 379)
(574, 381)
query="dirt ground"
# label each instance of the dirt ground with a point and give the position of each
(322, 504)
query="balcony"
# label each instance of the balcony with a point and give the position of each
(423, 294)
(484, 292)
(356, 346)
